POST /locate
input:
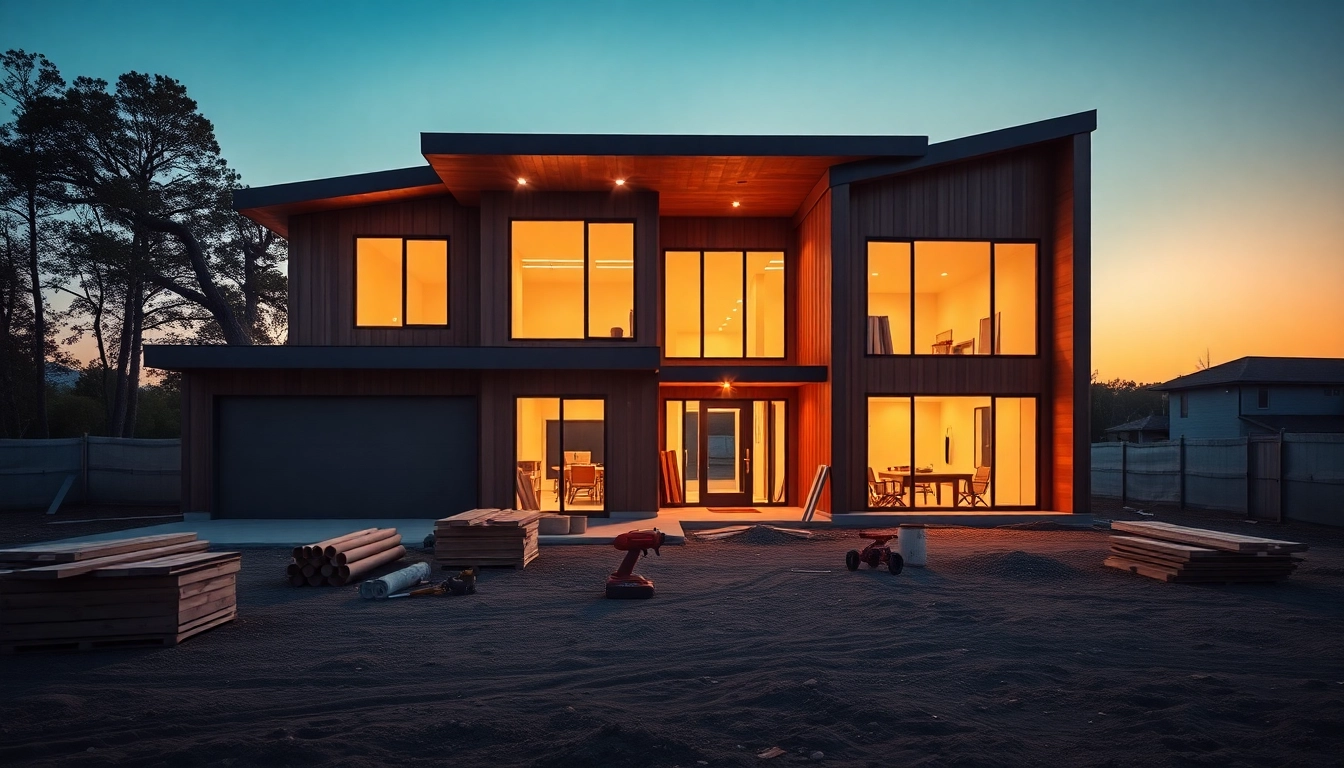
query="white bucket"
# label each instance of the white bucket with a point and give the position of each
(911, 545)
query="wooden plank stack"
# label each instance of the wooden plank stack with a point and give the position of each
(343, 559)
(1174, 553)
(482, 537)
(144, 591)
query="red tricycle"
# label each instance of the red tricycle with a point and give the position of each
(877, 553)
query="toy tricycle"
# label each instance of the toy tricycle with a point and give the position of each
(876, 553)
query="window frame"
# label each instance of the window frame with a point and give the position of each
(992, 242)
(447, 282)
(1185, 405)
(606, 443)
(993, 468)
(1262, 398)
(788, 441)
(634, 277)
(662, 300)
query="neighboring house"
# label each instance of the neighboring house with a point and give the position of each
(1258, 396)
(571, 305)
(1149, 429)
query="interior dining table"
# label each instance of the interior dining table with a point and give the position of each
(601, 479)
(960, 482)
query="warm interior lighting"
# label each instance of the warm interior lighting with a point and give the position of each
(426, 282)
(378, 281)
(875, 274)
(611, 283)
(548, 274)
(620, 182)
(736, 204)
(521, 181)
(944, 274)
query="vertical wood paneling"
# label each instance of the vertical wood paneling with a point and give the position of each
(497, 208)
(322, 272)
(1062, 341)
(812, 341)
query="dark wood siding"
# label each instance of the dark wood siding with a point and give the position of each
(1008, 196)
(498, 208)
(1067, 408)
(812, 342)
(322, 272)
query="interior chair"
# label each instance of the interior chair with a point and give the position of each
(885, 493)
(975, 496)
(924, 489)
(582, 479)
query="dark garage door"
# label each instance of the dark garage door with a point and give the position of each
(345, 457)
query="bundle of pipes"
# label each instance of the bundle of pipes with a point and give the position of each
(344, 559)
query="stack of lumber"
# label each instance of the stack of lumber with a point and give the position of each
(343, 559)
(1178, 554)
(481, 537)
(150, 590)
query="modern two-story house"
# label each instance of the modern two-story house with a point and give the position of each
(914, 315)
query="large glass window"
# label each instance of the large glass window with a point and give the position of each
(705, 436)
(573, 280)
(723, 304)
(560, 445)
(400, 282)
(964, 452)
(928, 297)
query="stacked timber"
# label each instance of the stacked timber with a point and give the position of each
(149, 590)
(482, 537)
(1174, 553)
(343, 559)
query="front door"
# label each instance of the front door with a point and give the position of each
(725, 460)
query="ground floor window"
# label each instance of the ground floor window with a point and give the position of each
(560, 445)
(730, 452)
(954, 451)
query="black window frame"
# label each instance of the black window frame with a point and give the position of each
(1262, 398)
(993, 467)
(1185, 405)
(606, 444)
(788, 310)
(447, 281)
(992, 242)
(634, 277)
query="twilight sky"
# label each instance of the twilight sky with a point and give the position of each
(1218, 164)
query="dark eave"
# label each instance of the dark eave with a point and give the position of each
(182, 357)
(967, 148)
(600, 144)
(272, 206)
(741, 374)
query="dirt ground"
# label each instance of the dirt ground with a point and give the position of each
(1013, 647)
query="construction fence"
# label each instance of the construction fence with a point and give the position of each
(91, 470)
(1298, 477)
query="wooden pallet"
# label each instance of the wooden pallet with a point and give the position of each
(1198, 537)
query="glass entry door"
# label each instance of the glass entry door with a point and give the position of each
(725, 453)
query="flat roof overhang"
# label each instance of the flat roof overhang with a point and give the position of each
(272, 206)
(185, 357)
(742, 374)
(693, 175)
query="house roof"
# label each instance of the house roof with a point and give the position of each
(1262, 370)
(1150, 423)
(1297, 424)
(694, 175)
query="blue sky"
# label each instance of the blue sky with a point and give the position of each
(1218, 190)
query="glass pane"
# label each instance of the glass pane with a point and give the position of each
(765, 304)
(1015, 298)
(779, 420)
(427, 282)
(547, 279)
(889, 451)
(888, 298)
(949, 440)
(538, 447)
(681, 304)
(760, 452)
(725, 443)
(584, 439)
(1015, 451)
(951, 298)
(723, 304)
(691, 431)
(378, 281)
(674, 436)
(611, 280)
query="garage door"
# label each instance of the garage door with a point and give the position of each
(345, 457)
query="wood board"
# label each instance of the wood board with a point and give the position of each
(1199, 537)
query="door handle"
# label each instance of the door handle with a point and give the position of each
(746, 458)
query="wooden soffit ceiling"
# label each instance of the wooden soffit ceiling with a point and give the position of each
(686, 186)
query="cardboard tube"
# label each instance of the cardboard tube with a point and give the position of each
(319, 549)
(331, 550)
(347, 573)
(298, 580)
(293, 569)
(368, 550)
(316, 580)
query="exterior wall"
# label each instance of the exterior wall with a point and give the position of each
(499, 208)
(812, 343)
(1213, 413)
(322, 272)
(1025, 194)
(1287, 400)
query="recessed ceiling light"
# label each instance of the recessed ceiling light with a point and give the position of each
(728, 319)
(739, 301)
(521, 181)
(736, 204)
(620, 182)
(734, 309)
(944, 274)
(874, 274)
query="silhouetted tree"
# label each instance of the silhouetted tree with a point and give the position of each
(1118, 401)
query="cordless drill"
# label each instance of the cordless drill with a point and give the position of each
(623, 584)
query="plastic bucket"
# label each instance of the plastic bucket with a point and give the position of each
(911, 545)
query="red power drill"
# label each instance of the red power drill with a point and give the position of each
(624, 585)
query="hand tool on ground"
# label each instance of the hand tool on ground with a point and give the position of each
(463, 583)
(623, 584)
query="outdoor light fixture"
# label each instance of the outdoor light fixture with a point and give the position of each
(620, 182)
(725, 385)
(736, 204)
(521, 181)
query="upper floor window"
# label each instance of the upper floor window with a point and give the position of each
(573, 280)
(937, 297)
(723, 304)
(400, 282)
(1185, 405)
(1262, 397)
